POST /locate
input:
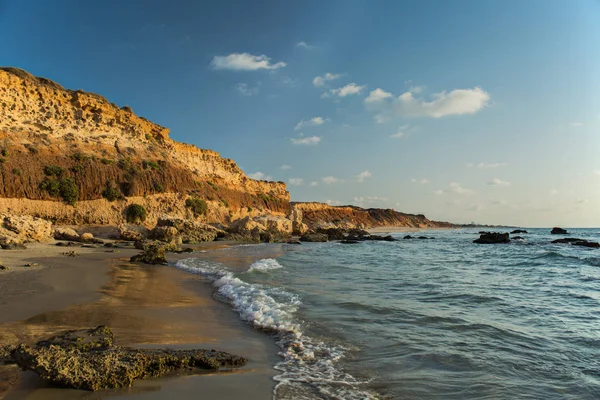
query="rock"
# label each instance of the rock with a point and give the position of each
(89, 238)
(130, 232)
(3, 268)
(407, 237)
(559, 231)
(346, 241)
(298, 227)
(32, 265)
(66, 234)
(293, 242)
(89, 360)
(577, 242)
(333, 233)
(153, 253)
(313, 237)
(13, 246)
(191, 232)
(517, 238)
(422, 237)
(388, 238)
(493, 237)
(70, 254)
(24, 229)
(6, 354)
(68, 244)
(518, 231)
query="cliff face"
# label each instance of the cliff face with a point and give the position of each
(319, 215)
(49, 134)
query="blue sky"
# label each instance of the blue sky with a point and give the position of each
(482, 111)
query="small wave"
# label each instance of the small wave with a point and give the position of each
(264, 265)
(309, 365)
(555, 255)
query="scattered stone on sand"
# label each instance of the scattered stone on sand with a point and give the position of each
(13, 246)
(559, 231)
(33, 264)
(71, 253)
(61, 233)
(3, 267)
(493, 237)
(68, 244)
(88, 359)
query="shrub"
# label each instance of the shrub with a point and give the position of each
(2, 160)
(198, 206)
(53, 170)
(51, 186)
(212, 185)
(77, 168)
(111, 193)
(79, 156)
(69, 190)
(150, 164)
(17, 171)
(4, 152)
(148, 136)
(249, 209)
(106, 161)
(158, 187)
(225, 203)
(135, 214)
(31, 149)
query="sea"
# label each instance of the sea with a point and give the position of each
(436, 318)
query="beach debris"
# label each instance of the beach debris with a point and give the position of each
(558, 231)
(89, 359)
(3, 267)
(577, 242)
(153, 252)
(492, 238)
(71, 253)
(32, 264)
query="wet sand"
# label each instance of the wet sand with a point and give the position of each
(146, 306)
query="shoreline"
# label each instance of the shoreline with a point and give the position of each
(145, 306)
(399, 229)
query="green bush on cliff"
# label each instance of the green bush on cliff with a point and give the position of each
(69, 190)
(77, 168)
(197, 206)
(135, 214)
(53, 170)
(4, 152)
(112, 193)
(153, 165)
(51, 186)
(17, 171)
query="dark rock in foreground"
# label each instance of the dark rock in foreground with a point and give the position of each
(558, 231)
(153, 253)
(518, 231)
(492, 237)
(350, 241)
(88, 359)
(577, 242)
(314, 237)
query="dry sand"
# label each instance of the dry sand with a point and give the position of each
(148, 306)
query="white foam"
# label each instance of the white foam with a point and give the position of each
(266, 264)
(308, 365)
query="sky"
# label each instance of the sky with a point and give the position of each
(484, 111)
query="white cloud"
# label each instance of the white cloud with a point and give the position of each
(306, 46)
(296, 181)
(314, 183)
(260, 176)
(316, 121)
(457, 102)
(330, 180)
(362, 201)
(333, 202)
(475, 207)
(487, 165)
(381, 119)
(285, 167)
(348, 90)
(576, 124)
(244, 62)
(399, 133)
(498, 182)
(362, 176)
(377, 95)
(320, 81)
(554, 191)
(454, 187)
(597, 172)
(309, 140)
(245, 90)
(422, 181)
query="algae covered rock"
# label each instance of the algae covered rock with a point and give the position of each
(314, 237)
(153, 252)
(88, 359)
(492, 238)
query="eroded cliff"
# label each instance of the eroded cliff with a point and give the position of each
(55, 141)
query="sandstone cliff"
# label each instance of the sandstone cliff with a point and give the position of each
(51, 136)
(320, 215)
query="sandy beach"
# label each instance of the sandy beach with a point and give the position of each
(146, 306)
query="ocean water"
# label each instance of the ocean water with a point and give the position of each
(422, 319)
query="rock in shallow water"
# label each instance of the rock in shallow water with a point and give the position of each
(89, 360)
(492, 237)
(558, 231)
